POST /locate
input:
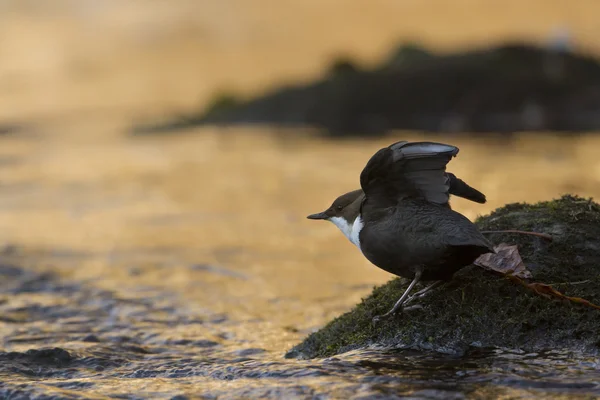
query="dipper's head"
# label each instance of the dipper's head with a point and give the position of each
(345, 214)
(346, 206)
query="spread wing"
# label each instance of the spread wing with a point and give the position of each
(409, 170)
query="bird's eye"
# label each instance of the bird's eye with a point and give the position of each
(339, 208)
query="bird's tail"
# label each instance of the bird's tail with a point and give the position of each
(458, 187)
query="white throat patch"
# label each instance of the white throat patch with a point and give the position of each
(350, 231)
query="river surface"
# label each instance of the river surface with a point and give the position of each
(183, 265)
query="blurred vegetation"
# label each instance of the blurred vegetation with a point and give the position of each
(342, 67)
(221, 104)
(508, 88)
(407, 54)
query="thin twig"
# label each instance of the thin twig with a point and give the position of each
(538, 234)
(571, 283)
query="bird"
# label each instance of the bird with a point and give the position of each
(401, 219)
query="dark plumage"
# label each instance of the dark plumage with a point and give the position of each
(401, 218)
(406, 217)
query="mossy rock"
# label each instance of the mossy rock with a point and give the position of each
(484, 309)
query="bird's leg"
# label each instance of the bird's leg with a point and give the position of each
(402, 298)
(422, 292)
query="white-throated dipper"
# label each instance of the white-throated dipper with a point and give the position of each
(401, 219)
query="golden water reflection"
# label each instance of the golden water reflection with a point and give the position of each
(224, 212)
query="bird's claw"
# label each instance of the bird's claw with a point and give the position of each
(378, 318)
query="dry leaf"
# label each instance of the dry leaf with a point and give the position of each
(506, 260)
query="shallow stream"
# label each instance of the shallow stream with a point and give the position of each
(183, 267)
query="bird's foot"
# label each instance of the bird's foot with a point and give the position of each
(379, 318)
(412, 308)
(401, 303)
(422, 293)
(411, 299)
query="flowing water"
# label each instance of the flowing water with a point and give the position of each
(183, 265)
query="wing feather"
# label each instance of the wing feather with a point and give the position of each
(409, 169)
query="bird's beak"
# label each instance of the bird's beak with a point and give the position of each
(320, 215)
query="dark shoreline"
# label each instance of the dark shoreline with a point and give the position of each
(503, 89)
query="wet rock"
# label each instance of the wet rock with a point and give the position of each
(55, 356)
(483, 309)
(91, 339)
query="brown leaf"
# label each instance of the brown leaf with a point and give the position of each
(506, 260)
(549, 291)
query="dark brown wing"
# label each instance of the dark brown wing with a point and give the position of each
(409, 170)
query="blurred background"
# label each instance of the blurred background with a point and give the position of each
(175, 147)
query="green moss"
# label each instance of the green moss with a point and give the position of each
(485, 309)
